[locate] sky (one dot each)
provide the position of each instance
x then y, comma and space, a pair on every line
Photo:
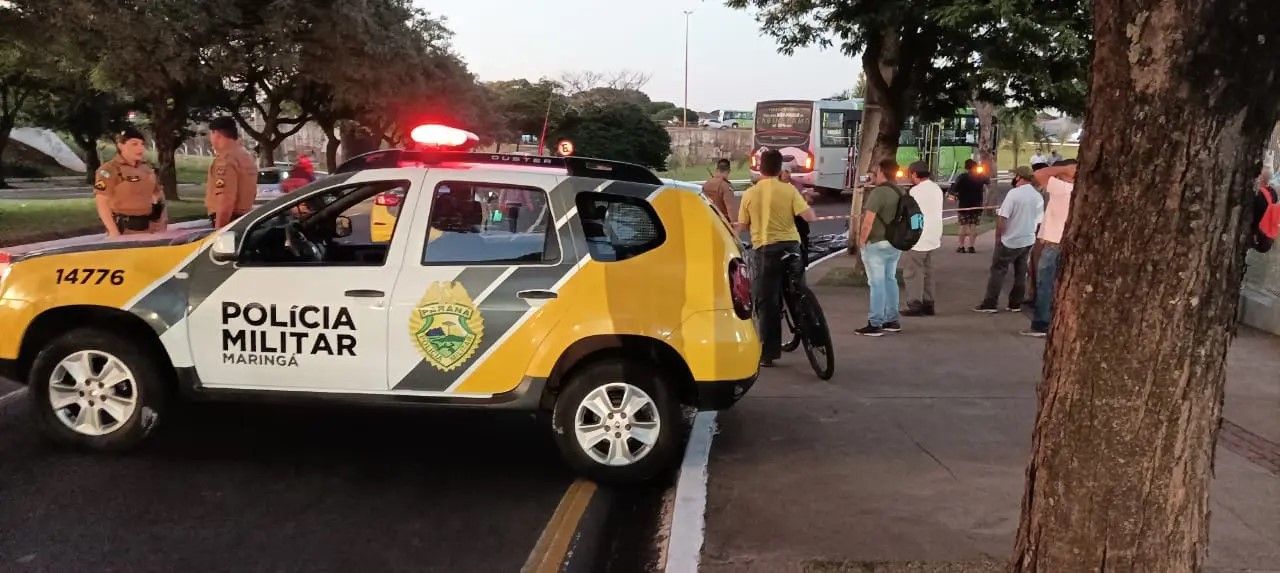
510, 39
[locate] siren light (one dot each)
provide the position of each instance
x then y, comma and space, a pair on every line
443, 136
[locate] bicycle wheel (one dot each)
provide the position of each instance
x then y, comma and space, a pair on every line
792, 340
817, 338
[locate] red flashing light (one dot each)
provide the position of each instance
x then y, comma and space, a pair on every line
443, 136
386, 199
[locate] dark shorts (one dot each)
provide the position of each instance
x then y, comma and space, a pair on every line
970, 217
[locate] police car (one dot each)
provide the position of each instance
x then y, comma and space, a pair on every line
607, 300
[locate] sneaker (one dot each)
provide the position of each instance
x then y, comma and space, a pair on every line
960, 249
1034, 333
1013, 308
972, 250
891, 327
987, 308
869, 330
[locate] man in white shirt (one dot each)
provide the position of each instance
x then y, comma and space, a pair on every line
1058, 183
1039, 158
917, 264
1021, 211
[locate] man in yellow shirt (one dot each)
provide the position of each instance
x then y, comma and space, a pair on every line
768, 211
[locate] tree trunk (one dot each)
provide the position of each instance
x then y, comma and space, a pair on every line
331, 144
1146, 302
987, 147
88, 145
6, 128
167, 123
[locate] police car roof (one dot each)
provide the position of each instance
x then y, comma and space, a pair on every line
573, 166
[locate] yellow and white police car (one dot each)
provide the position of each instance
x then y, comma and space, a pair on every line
602, 297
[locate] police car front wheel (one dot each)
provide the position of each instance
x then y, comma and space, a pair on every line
617, 422
95, 389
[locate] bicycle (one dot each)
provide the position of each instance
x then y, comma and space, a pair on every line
804, 321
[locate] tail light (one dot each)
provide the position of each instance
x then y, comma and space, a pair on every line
808, 163
755, 161
387, 200
740, 288
5, 260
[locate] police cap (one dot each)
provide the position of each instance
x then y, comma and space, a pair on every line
129, 132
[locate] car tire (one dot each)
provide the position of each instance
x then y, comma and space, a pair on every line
604, 456
82, 366
830, 192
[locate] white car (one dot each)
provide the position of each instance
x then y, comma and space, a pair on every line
271, 181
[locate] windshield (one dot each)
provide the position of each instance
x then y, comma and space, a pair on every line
784, 117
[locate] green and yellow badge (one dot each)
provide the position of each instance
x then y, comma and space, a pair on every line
446, 326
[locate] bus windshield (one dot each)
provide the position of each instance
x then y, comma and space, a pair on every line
796, 117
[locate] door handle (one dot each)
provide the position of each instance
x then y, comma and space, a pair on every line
537, 294
365, 293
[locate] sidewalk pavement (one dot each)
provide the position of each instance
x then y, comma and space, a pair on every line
912, 457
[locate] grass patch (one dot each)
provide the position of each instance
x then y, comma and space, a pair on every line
702, 172
32, 221
988, 223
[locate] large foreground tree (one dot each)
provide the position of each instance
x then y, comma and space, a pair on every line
1183, 96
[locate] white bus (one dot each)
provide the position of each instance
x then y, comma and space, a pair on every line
727, 118
814, 137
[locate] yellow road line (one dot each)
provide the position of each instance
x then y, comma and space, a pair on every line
553, 545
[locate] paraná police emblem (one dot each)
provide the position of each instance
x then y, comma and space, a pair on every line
446, 326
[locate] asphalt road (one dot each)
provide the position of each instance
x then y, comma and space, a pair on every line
272, 488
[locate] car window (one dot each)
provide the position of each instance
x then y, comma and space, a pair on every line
482, 223
331, 228
618, 228
269, 177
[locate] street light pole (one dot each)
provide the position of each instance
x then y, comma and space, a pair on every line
685, 111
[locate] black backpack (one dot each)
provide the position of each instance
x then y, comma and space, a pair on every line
904, 231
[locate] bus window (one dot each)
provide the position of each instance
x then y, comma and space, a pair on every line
835, 131
784, 118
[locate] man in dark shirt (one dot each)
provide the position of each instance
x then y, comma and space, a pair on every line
969, 190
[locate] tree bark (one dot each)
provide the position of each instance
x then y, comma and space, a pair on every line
1146, 298
168, 119
89, 147
331, 144
6, 128
987, 147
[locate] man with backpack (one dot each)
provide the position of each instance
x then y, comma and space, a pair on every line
891, 223
1266, 214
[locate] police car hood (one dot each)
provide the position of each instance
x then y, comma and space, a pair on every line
177, 234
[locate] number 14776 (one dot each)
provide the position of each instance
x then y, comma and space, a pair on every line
90, 276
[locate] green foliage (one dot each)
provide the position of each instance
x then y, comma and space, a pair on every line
946, 53
620, 131
676, 115
525, 105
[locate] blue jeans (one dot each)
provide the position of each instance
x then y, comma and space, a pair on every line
1046, 273
881, 262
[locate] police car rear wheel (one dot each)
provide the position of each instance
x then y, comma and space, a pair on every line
617, 422
96, 390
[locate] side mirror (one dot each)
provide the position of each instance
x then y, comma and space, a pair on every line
342, 226
224, 247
